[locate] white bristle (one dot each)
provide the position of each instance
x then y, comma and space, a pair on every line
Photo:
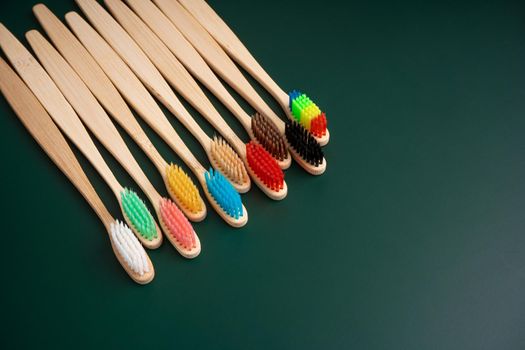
129, 247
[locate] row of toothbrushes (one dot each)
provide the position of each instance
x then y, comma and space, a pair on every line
87, 75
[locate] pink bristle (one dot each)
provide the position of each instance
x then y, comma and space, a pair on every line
178, 226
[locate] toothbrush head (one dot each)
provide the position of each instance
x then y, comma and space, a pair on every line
138, 216
185, 193
228, 162
264, 166
130, 252
267, 134
307, 113
178, 229
224, 194
303, 143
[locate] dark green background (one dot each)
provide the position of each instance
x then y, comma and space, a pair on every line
413, 239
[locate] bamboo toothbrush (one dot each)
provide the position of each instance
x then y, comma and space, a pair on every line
173, 222
220, 154
265, 133
220, 193
179, 185
133, 208
295, 104
302, 145
264, 170
126, 247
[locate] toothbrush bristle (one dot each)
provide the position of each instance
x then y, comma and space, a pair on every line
303, 143
227, 161
183, 188
264, 166
223, 193
307, 113
267, 134
129, 248
318, 125
178, 226
138, 214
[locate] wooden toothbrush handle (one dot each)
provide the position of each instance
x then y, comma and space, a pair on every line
170, 67
140, 64
222, 33
45, 132
96, 80
89, 110
215, 55
184, 51
130, 87
56, 105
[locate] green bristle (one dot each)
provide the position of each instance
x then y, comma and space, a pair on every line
296, 110
138, 214
304, 110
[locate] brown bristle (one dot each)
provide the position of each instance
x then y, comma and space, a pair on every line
227, 161
267, 134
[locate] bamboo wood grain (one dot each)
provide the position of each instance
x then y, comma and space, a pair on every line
225, 37
56, 105
233, 46
104, 90
182, 81
215, 56
93, 116
221, 63
139, 98
39, 124
59, 109
169, 66
88, 109
186, 53
147, 73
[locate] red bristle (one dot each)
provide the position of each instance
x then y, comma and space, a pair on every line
264, 166
318, 125
177, 224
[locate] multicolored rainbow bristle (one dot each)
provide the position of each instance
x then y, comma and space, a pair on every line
138, 214
129, 248
264, 166
177, 224
307, 113
303, 143
267, 134
223, 193
183, 189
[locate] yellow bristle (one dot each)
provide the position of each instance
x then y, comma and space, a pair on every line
309, 113
183, 189
227, 161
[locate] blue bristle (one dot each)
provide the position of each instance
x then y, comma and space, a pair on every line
224, 194
293, 95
